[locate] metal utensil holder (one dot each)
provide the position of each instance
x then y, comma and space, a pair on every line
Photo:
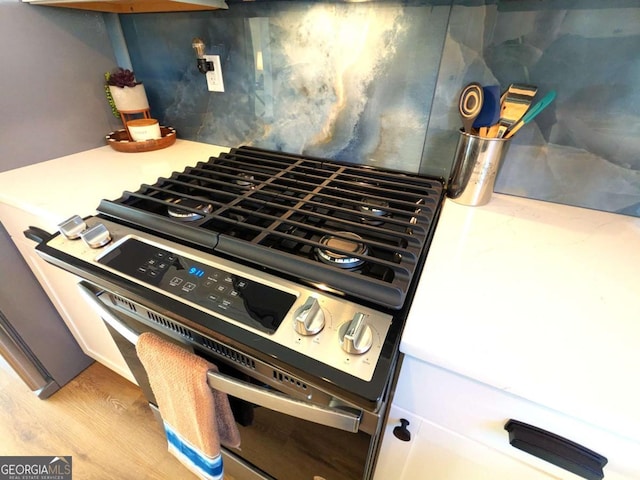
475, 168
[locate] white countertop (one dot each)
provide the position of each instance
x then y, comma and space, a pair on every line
74, 185
537, 299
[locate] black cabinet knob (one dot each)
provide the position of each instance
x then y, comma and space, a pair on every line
401, 431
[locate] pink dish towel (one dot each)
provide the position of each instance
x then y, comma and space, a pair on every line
196, 418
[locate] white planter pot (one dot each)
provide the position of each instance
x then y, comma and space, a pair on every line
129, 99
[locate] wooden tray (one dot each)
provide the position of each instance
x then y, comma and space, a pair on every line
119, 140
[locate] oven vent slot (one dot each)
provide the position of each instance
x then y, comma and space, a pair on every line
168, 324
290, 381
229, 353
123, 302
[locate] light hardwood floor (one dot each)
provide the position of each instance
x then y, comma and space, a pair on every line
99, 418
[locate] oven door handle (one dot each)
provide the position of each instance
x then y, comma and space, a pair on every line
273, 400
279, 402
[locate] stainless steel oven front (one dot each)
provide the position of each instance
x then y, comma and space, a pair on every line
291, 429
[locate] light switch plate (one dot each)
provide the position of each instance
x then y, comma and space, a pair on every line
214, 78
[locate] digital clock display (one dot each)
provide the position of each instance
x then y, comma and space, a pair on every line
196, 272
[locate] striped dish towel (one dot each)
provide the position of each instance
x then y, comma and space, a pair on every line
196, 418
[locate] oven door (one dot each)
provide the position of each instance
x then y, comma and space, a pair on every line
283, 437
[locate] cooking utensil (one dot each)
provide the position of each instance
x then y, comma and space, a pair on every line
470, 104
490, 112
515, 103
531, 114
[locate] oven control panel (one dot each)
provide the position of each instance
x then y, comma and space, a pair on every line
342, 334
246, 301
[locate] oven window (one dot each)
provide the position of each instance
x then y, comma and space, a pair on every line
289, 448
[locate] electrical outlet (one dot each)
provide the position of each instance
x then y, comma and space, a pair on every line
214, 78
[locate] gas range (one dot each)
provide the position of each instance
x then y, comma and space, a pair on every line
304, 262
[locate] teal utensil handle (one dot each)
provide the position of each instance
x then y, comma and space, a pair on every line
538, 107
531, 114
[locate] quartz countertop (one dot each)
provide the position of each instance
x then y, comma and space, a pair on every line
537, 299
74, 185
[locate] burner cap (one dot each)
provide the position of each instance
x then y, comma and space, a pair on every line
375, 207
203, 208
355, 246
245, 180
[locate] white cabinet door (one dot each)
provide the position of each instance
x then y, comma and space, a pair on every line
85, 325
435, 453
88, 328
479, 412
392, 459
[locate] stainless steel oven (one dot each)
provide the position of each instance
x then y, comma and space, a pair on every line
280, 417
291, 274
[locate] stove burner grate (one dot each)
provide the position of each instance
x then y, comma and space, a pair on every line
292, 214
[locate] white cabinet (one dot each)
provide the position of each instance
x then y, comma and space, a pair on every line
86, 326
457, 432
435, 453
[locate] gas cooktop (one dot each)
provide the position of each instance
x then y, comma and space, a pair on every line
348, 228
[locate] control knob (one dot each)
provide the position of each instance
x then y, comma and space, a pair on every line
309, 318
72, 227
356, 336
96, 236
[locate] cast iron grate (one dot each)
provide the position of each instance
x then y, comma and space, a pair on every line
273, 209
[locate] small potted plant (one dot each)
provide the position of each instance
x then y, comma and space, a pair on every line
125, 93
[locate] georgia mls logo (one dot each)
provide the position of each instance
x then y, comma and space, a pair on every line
35, 468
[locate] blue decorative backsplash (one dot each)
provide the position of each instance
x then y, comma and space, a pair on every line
378, 82
343, 81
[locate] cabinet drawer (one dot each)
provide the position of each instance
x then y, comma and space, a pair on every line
435, 453
479, 412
